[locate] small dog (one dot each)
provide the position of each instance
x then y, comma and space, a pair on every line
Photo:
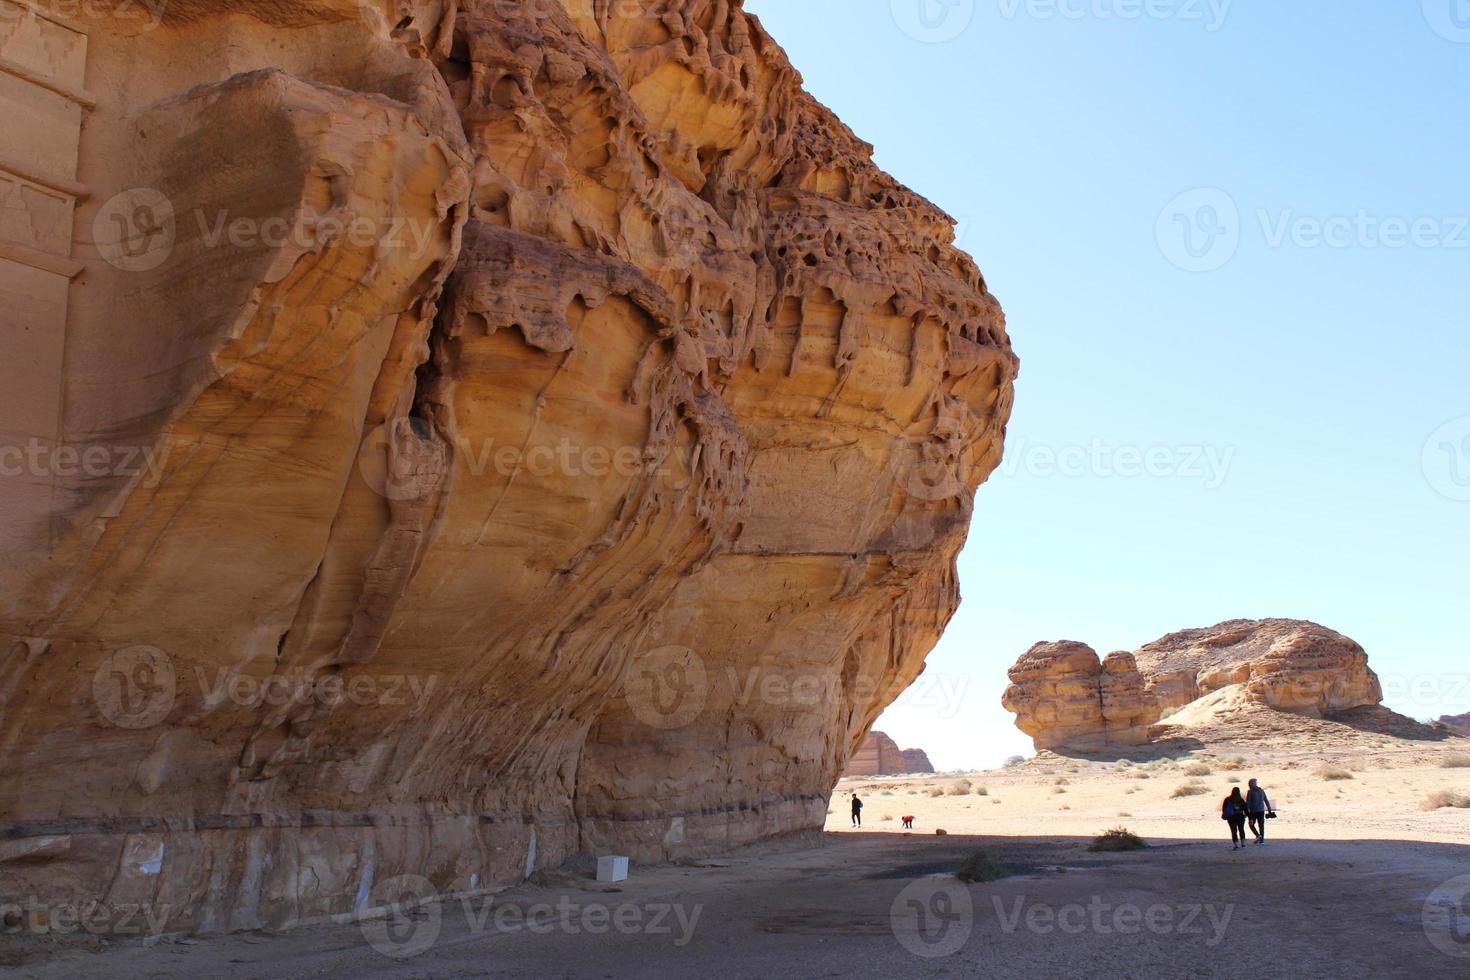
908, 823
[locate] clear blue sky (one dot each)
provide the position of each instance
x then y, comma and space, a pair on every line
1311, 333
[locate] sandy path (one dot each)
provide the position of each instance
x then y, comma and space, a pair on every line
1297, 908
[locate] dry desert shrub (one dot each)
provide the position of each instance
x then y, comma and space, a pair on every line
961, 788
1197, 769
1188, 789
1443, 798
1334, 773
1117, 839
1456, 760
981, 791
1061, 781
936, 791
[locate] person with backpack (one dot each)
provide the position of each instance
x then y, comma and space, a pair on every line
857, 811
1233, 813
1258, 808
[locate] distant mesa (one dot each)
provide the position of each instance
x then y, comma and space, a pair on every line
1065, 696
1460, 723
880, 755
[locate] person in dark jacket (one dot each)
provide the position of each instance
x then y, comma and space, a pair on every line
1257, 806
1232, 811
857, 811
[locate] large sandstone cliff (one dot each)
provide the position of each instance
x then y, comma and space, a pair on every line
520, 429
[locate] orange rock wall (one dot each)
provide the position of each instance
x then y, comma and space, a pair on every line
546, 431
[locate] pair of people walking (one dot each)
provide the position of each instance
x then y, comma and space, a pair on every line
1254, 808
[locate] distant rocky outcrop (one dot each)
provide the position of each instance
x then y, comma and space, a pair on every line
880, 755
1460, 723
1287, 664
1064, 696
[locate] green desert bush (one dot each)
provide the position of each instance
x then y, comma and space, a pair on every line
979, 866
1117, 839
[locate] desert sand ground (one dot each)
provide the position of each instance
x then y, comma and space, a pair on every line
1356, 880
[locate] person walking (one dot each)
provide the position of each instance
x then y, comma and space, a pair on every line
857, 811
1232, 811
1258, 809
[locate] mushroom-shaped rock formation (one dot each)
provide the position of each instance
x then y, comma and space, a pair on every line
1063, 695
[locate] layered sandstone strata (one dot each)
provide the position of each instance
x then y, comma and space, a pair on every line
1286, 664
880, 755
1064, 697
523, 429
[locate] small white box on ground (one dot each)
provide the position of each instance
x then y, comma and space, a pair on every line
612, 868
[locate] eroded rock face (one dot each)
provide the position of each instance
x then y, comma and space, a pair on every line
880, 755
1064, 697
550, 433
1287, 664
